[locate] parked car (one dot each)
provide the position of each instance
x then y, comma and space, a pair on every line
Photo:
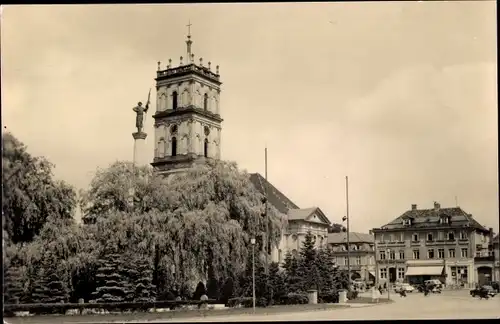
434, 285
404, 287
483, 292
495, 285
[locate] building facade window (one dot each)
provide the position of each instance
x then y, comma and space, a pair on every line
382, 255
430, 237
441, 253
451, 236
383, 273
205, 148
401, 255
414, 237
451, 253
174, 146
430, 253
345, 260
392, 255
401, 273
464, 252
382, 238
174, 100
402, 237
440, 235
205, 101
416, 254
463, 235
358, 260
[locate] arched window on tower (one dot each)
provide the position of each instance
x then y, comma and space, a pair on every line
205, 102
174, 100
205, 148
174, 146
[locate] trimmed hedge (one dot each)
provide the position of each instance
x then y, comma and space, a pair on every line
352, 294
295, 299
329, 297
10, 309
243, 301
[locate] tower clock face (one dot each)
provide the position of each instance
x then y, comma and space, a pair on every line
207, 131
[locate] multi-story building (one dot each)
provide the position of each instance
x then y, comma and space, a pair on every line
496, 257
437, 243
361, 254
300, 220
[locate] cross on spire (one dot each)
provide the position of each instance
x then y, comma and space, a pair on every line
189, 28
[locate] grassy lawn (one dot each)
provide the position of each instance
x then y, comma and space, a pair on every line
168, 315
368, 300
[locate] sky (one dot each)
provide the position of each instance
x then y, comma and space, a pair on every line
401, 97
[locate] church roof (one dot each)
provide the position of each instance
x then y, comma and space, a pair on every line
306, 213
274, 196
337, 238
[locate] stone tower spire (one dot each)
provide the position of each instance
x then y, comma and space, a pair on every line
189, 42
188, 121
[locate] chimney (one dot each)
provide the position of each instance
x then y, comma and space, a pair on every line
436, 205
414, 207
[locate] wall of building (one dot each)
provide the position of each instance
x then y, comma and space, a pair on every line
190, 91
294, 235
460, 261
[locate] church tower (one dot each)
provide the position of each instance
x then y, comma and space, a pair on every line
187, 119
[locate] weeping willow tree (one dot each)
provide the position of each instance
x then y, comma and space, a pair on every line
195, 225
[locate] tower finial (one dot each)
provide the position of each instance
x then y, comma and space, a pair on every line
188, 43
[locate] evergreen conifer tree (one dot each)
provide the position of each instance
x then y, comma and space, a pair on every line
276, 282
308, 264
13, 285
144, 290
49, 287
112, 285
292, 278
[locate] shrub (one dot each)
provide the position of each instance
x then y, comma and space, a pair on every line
261, 302
200, 291
243, 301
329, 297
352, 294
295, 299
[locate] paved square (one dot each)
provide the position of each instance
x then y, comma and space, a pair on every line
448, 305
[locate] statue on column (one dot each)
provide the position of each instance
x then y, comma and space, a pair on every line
140, 112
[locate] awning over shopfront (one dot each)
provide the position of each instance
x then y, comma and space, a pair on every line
372, 273
425, 271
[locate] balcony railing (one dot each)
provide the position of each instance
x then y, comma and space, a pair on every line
484, 257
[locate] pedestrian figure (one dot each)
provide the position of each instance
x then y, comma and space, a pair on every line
402, 293
375, 295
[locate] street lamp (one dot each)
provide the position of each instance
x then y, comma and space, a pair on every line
252, 240
346, 219
388, 275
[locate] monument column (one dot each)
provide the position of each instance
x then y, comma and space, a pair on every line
141, 157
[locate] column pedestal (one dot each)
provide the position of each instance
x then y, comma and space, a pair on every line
140, 156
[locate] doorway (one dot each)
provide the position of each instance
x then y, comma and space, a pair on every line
392, 274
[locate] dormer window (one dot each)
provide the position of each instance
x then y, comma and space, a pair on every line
354, 247
444, 220
407, 222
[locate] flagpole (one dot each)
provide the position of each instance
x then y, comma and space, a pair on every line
347, 216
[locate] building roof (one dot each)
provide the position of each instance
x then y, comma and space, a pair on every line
283, 204
306, 214
426, 218
274, 196
496, 239
336, 238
